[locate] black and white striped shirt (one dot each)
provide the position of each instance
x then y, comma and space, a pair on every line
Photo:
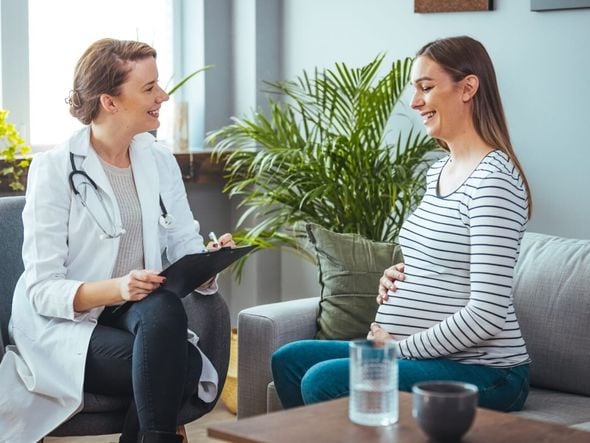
460, 251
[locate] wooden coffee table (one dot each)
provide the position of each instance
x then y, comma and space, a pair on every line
328, 422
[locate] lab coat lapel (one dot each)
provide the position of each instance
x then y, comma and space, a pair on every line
95, 170
147, 183
87, 160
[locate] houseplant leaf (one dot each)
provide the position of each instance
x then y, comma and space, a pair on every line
181, 83
324, 153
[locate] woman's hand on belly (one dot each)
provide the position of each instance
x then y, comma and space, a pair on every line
379, 334
387, 281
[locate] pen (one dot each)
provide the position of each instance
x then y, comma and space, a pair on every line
213, 237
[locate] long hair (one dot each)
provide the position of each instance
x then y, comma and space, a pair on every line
102, 69
463, 56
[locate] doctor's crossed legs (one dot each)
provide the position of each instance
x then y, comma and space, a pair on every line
144, 352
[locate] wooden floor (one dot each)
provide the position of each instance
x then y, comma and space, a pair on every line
195, 431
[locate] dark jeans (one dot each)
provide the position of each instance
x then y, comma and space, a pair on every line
312, 371
143, 352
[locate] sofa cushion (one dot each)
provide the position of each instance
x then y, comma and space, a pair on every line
556, 407
349, 270
552, 302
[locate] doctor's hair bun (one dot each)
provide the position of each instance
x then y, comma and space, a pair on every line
102, 69
73, 99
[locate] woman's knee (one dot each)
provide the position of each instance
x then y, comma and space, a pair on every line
164, 312
326, 381
286, 355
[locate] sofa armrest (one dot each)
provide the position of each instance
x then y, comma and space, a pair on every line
261, 331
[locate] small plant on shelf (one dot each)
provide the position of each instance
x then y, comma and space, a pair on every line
13, 153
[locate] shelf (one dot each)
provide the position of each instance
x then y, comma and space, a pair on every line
196, 167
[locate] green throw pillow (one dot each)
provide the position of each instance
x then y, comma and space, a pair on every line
350, 267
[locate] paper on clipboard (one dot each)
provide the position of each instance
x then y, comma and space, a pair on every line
192, 270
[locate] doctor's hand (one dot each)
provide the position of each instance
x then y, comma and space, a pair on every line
138, 284
224, 241
387, 281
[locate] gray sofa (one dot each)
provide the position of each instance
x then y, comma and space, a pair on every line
552, 299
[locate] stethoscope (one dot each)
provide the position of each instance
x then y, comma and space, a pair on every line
166, 220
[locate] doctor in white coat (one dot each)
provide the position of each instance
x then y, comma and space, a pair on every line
101, 211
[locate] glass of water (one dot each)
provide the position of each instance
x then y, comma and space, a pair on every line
373, 383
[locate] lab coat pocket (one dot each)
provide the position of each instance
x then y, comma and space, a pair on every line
19, 332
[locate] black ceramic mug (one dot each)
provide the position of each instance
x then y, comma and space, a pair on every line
444, 410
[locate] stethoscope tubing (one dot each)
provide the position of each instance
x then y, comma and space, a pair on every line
166, 220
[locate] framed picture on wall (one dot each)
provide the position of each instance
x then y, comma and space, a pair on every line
422, 6
554, 5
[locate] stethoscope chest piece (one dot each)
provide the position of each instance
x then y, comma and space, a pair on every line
166, 220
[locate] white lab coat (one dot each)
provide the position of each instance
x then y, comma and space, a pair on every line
41, 378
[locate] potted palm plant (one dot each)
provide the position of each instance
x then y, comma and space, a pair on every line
14, 152
325, 153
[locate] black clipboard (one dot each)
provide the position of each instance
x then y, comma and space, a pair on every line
192, 270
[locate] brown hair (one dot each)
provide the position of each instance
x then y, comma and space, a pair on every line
463, 56
102, 69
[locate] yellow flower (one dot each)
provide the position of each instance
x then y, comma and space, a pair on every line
13, 151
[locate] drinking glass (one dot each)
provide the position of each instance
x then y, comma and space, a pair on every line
373, 383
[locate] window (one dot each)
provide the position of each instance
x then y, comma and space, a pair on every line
58, 32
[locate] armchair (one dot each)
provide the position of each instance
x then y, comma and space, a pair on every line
208, 316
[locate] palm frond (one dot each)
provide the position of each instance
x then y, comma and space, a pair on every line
322, 154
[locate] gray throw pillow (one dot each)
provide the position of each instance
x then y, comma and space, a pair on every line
349, 267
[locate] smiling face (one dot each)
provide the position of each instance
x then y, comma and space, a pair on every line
138, 104
443, 104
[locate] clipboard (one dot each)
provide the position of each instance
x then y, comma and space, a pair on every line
192, 270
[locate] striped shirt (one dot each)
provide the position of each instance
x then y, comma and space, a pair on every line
460, 251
